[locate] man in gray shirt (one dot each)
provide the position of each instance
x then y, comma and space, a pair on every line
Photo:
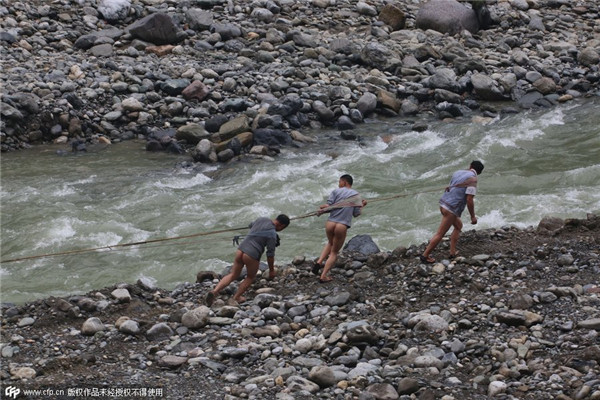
343, 204
263, 234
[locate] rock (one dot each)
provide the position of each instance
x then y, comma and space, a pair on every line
393, 16
204, 151
446, 16
160, 331
323, 376
27, 321
196, 91
234, 127
299, 384
196, 318
407, 386
271, 137
518, 317
130, 327
588, 57
592, 323
157, 28
363, 244
486, 88
114, 10
199, 20
172, 362
428, 322
91, 326
521, 301
382, 391
192, 133
24, 373
121, 295
367, 103
496, 387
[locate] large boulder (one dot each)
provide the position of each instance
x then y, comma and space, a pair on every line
363, 244
271, 137
447, 16
157, 28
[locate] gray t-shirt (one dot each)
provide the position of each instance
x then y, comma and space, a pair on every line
463, 182
262, 234
343, 215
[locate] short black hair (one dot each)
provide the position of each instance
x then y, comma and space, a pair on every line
283, 219
348, 179
477, 166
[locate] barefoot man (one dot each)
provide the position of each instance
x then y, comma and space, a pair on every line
263, 233
458, 194
342, 208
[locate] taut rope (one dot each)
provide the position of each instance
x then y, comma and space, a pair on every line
353, 201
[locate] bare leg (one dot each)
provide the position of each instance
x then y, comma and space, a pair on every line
336, 235
236, 270
455, 235
327, 247
251, 269
448, 219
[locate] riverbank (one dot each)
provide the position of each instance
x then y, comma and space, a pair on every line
516, 315
223, 78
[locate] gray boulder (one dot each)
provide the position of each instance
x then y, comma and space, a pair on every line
363, 244
447, 16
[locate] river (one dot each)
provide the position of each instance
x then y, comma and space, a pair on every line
537, 163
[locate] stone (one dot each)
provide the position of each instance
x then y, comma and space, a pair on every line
192, 133
382, 391
130, 327
172, 362
393, 16
196, 318
407, 386
496, 388
323, 376
160, 331
91, 326
446, 16
234, 127
114, 10
592, 323
196, 91
157, 28
362, 244
121, 295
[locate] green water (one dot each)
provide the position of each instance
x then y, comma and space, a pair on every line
537, 164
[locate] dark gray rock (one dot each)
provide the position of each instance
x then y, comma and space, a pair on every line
271, 137
363, 244
158, 28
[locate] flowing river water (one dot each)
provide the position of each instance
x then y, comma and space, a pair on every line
536, 164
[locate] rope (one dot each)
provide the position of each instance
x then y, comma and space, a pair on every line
345, 203
117, 246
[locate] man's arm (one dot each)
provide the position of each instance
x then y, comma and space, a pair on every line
471, 208
271, 262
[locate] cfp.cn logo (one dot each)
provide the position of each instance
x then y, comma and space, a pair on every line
12, 392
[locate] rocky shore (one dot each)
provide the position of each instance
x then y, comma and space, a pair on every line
218, 78
515, 316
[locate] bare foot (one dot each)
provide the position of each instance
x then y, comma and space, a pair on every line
325, 279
